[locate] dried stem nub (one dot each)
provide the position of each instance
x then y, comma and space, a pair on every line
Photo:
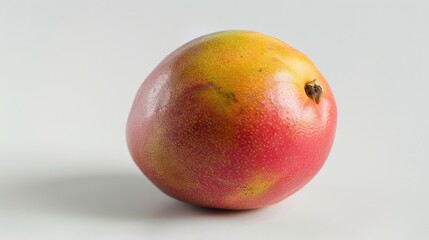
313, 91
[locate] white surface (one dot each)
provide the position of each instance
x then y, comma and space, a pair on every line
69, 72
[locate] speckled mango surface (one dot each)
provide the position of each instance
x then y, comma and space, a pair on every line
225, 122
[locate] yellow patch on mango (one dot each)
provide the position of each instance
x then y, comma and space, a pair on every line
254, 188
257, 186
159, 155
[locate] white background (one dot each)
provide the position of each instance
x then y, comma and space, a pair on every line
69, 71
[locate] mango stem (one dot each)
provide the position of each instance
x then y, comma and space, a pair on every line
313, 91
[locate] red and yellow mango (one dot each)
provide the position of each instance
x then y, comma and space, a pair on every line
232, 120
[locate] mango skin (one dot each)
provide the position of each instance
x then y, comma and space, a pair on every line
224, 122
